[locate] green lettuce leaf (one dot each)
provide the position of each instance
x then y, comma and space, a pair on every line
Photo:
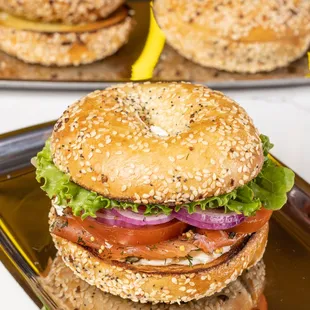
272, 184
83, 202
267, 145
269, 189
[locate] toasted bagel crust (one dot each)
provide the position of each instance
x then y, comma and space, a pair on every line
241, 57
237, 36
66, 11
108, 142
64, 48
70, 292
174, 67
145, 284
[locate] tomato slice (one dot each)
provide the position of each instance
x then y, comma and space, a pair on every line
262, 303
253, 223
134, 236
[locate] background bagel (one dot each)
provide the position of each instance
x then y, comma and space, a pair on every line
66, 11
69, 47
70, 292
237, 36
161, 284
171, 121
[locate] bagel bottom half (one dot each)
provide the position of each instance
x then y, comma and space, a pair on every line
168, 284
70, 292
243, 57
173, 66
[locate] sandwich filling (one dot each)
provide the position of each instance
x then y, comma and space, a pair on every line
15, 22
186, 234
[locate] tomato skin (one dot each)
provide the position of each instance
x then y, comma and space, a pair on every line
144, 235
262, 303
253, 223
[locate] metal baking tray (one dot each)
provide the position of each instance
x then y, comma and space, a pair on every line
27, 250
169, 65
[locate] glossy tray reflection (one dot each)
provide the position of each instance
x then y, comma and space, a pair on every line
27, 250
157, 64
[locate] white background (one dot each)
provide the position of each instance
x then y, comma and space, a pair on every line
281, 113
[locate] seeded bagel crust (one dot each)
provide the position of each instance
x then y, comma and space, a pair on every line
70, 292
162, 284
65, 48
107, 143
174, 67
240, 57
66, 11
237, 36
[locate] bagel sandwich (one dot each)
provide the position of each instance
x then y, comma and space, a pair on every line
160, 192
59, 44
236, 36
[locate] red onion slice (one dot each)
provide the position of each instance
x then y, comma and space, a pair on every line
109, 218
140, 219
214, 219
210, 219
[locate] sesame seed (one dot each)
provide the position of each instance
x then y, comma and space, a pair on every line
171, 159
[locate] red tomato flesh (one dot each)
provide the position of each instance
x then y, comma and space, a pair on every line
253, 223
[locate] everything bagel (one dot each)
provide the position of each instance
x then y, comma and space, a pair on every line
237, 36
64, 45
160, 192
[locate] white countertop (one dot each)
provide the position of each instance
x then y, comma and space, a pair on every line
281, 113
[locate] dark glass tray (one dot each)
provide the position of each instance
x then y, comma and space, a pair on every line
27, 250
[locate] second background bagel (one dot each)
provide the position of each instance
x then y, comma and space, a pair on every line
237, 36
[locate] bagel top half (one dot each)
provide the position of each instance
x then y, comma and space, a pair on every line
244, 21
155, 143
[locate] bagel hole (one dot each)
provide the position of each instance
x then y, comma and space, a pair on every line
163, 115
